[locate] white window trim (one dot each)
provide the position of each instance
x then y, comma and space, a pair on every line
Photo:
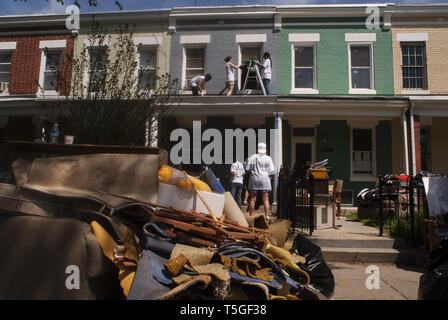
49, 44
146, 46
248, 38
9, 46
148, 41
195, 39
372, 70
360, 37
412, 37
295, 90
184, 62
241, 45
304, 37
53, 44
90, 46
357, 176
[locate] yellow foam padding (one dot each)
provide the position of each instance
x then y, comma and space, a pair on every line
108, 244
176, 177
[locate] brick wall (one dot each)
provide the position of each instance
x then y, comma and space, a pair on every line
436, 61
222, 44
26, 60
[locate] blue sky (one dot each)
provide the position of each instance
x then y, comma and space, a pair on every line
11, 7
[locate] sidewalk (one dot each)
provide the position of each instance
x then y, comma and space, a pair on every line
396, 282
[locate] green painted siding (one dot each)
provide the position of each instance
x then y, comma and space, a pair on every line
286, 139
334, 135
332, 58
384, 147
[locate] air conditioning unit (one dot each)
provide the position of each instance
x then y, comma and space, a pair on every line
4, 87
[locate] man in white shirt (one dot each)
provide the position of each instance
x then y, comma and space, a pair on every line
261, 167
197, 84
236, 181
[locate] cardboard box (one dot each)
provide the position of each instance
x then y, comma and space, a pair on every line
173, 196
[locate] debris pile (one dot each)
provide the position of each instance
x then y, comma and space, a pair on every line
206, 249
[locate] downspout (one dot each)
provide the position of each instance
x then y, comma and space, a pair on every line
405, 139
412, 134
274, 191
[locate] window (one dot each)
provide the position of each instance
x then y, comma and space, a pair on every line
52, 70
249, 53
147, 65
97, 67
5, 71
195, 64
362, 151
414, 65
304, 67
361, 66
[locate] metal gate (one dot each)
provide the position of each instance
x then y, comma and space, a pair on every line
296, 200
402, 207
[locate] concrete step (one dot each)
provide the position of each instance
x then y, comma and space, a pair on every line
379, 243
373, 255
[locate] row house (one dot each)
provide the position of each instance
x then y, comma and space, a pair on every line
419, 41
332, 84
370, 99
29, 45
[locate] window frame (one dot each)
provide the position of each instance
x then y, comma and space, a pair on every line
295, 90
185, 84
370, 90
363, 176
154, 48
43, 69
7, 51
241, 46
424, 88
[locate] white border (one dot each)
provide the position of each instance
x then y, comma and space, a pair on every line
195, 39
53, 44
411, 37
9, 45
363, 177
295, 90
360, 37
370, 90
148, 41
247, 38
304, 37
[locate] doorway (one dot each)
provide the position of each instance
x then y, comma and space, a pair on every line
303, 153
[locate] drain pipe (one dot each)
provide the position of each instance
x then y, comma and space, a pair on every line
405, 139
412, 134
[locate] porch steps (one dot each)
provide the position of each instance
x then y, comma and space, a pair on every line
355, 242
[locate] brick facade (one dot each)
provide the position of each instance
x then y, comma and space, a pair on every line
26, 60
437, 64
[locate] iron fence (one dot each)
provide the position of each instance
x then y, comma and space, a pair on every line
402, 207
296, 200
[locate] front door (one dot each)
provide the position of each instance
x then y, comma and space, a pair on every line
303, 157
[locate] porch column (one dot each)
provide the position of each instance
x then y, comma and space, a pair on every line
278, 152
405, 139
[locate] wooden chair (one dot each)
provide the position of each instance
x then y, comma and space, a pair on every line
337, 195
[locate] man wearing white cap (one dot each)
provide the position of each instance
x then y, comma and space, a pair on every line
261, 167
